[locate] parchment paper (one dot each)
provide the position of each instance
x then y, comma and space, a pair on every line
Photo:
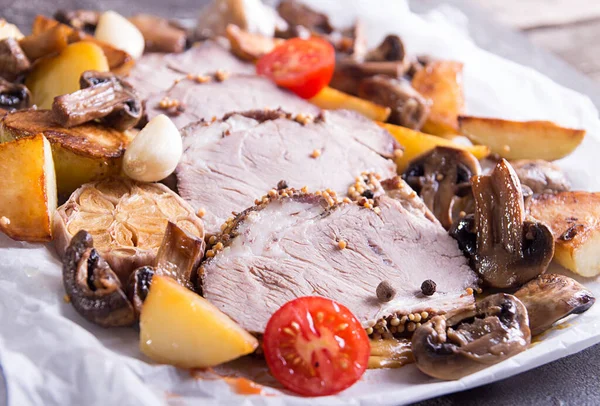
51, 356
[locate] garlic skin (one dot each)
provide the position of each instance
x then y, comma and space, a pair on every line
116, 30
154, 152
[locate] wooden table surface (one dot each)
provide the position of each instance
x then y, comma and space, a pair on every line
569, 29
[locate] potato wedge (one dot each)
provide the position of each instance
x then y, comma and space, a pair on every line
332, 99
181, 328
574, 218
58, 75
119, 61
81, 154
28, 188
441, 83
522, 139
416, 143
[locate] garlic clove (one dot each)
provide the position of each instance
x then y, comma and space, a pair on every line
154, 152
8, 30
116, 30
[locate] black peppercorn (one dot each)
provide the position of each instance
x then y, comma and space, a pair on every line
282, 184
385, 292
368, 194
428, 287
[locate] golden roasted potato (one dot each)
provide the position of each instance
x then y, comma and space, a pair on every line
441, 83
28, 189
81, 154
119, 61
181, 328
416, 143
58, 75
522, 139
574, 218
332, 99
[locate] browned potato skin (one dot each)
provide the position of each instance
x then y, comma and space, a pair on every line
522, 139
81, 154
441, 83
574, 218
28, 189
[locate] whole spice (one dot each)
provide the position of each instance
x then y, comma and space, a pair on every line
428, 287
385, 292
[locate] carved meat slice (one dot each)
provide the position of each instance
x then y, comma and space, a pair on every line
287, 247
229, 163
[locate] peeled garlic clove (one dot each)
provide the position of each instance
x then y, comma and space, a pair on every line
116, 30
154, 152
8, 30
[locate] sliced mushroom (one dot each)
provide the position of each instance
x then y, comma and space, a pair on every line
92, 286
409, 108
13, 61
13, 96
248, 46
551, 297
85, 20
159, 34
102, 95
473, 338
139, 286
504, 248
541, 176
297, 14
179, 255
440, 177
390, 49
416, 64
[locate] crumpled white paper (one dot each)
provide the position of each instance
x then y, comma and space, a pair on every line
51, 356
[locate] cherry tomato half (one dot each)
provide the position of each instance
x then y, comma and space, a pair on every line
304, 66
315, 346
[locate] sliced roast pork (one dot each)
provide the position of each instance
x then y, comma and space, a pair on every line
300, 245
155, 72
229, 163
196, 101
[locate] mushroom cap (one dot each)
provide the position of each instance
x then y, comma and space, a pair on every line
472, 338
440, 176
504, 248
551, 297
94, 289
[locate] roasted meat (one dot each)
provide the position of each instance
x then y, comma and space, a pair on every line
287, 247
228, 163
205, 97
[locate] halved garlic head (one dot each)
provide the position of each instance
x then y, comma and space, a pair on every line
154, 152
116, 30
126, 219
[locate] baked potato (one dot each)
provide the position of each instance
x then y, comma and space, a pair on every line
441, 83
28, 188
522, 139
81, 154
574, 218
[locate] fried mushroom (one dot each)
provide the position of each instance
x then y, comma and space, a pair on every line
552, 297
541, 176
159, 34
453, 346
93, 288
13, 96
409, 108
13, 61
102, 95
440, 177
139, 286
503, 247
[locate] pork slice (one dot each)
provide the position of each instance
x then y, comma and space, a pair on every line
288, 247
204, 101
227, 164
155, 72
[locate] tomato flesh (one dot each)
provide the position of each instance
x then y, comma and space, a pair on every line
304, 66
315, 346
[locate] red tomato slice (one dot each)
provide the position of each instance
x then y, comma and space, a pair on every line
304, 66
315, 346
